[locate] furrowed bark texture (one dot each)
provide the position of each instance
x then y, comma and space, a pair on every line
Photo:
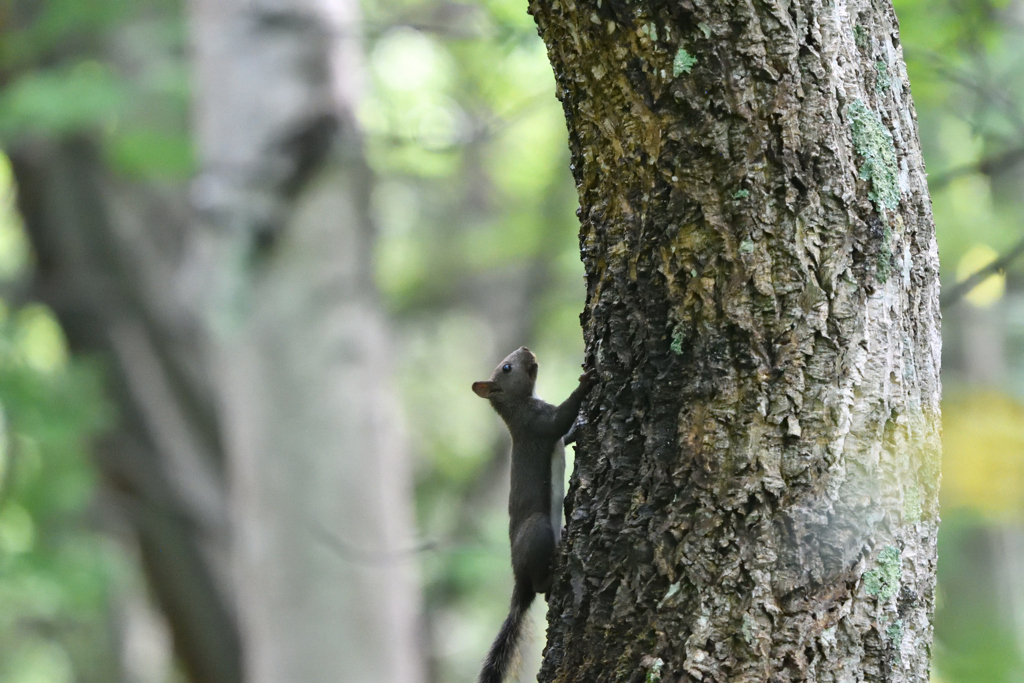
755, 496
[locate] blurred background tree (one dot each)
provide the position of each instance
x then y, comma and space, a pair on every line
965, 62
55, 568
237, 319
473, 203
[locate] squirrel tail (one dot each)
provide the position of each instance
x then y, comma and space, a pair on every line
503, 651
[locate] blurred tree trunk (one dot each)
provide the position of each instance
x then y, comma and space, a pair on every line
289, 403
320, 481
107, 253
755, 496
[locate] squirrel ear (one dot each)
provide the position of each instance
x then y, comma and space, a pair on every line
483, 389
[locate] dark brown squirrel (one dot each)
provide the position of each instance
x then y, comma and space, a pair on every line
537, 488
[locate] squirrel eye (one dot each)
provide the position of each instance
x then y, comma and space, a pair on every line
506, 368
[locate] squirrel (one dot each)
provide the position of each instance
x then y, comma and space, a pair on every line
538, 431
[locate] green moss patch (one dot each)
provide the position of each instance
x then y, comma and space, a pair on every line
677, 348
653, 666
682, 63
860, 36
895, 634
884, 580
874, 144
882, 79
912, 504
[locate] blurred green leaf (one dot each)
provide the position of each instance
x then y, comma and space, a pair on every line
152, 154
84, 96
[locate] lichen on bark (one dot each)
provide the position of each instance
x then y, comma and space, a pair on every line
762, 311
884, 580
682, 63
875, 147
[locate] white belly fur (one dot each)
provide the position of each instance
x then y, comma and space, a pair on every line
557, 488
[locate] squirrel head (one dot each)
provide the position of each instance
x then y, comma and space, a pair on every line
513, 379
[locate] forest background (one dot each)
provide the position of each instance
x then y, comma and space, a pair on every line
476, 253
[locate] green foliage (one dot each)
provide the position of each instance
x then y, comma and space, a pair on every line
61, 82
974, 630
55, 571
37, 32
152, 153
965, 63
115, 71
61, 101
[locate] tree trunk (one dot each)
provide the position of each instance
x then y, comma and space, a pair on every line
106, 251
320, 478
755, 494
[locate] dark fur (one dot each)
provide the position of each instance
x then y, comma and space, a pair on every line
503, 651
536, 428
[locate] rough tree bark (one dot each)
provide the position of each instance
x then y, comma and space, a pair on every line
755, 496
320, 482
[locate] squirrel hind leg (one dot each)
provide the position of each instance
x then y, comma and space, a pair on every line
533, 552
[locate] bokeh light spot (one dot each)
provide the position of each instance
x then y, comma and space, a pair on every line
991, 289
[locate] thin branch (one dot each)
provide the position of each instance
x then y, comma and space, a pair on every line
366, 556
990, 166
980, 84
7, 478
962, 289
